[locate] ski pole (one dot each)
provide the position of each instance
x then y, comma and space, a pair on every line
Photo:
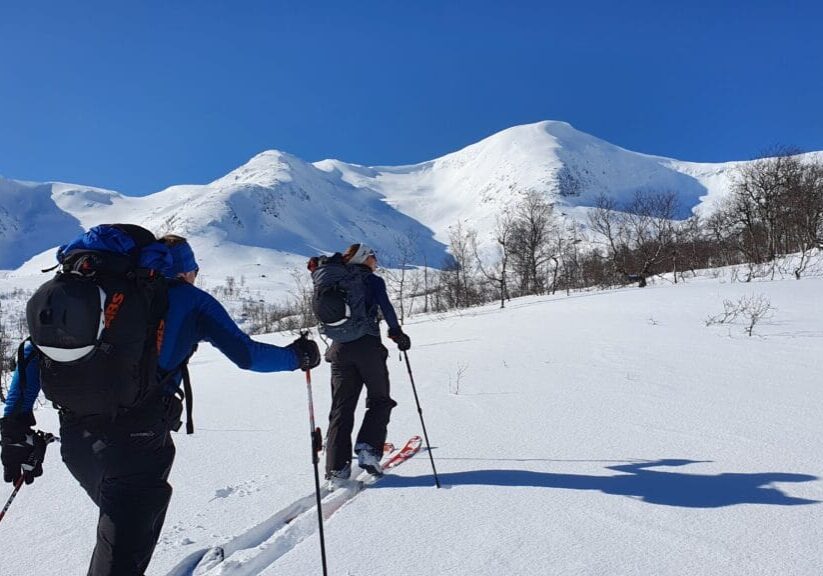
316, 447
17, 486
34, 459
422, 423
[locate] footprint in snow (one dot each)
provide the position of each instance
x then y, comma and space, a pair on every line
224, 492
244, 489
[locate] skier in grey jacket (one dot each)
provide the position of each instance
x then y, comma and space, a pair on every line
355, 364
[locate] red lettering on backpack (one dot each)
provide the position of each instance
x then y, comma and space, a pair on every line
161, 332
113, 307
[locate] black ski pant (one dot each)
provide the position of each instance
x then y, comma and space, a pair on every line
354, 364
124, 469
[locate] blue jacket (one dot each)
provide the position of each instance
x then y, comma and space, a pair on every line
376, 295
194, 316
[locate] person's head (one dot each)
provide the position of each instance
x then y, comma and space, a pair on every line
184, 265
360, 254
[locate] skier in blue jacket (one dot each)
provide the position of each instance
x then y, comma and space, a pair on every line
124, 464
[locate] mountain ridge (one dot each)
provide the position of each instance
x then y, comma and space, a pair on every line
277, 201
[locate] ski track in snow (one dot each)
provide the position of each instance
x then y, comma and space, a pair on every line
260, 546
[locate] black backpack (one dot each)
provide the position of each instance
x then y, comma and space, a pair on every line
97, 326
339, 299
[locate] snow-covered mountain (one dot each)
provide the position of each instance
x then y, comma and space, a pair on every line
278, 208
572, 168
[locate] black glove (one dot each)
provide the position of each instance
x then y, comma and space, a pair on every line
21, 448
308, 354
400, 338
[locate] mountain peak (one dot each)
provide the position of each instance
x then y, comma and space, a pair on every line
268, 169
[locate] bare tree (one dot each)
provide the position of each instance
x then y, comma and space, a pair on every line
775, 209
406, 252
606, 221
414, 284
726, 229
640, 235
804, 207
649, 219
690, 249
530, 242
497, 273
570, 254
456, 278
756, 204
425, 283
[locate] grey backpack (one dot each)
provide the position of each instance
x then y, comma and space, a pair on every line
339, 299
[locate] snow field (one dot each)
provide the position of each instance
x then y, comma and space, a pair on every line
599, 433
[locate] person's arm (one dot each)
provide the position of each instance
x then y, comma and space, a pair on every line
216, 326
378, 287
18, 400
21, 447
382, 298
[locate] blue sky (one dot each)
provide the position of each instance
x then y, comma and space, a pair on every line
138, 96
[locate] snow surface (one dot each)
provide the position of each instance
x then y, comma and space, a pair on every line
598, 433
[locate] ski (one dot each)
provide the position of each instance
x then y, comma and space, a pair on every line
390, 460
202, 561
411, 448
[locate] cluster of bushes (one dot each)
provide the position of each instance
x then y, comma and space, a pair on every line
771, 222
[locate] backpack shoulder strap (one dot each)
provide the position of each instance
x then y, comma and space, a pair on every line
188, 397
183, 396
187, 392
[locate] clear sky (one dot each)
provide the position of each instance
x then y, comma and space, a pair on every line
136, 96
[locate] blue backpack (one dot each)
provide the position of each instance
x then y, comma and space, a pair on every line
339, 299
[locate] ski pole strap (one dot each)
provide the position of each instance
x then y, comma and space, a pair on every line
189, 398
47, 438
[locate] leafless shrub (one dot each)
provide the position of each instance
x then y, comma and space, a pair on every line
751, 309
301, 297
454, 384
731, 311
754, 309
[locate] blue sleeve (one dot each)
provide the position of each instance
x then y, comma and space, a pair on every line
216, 326
378, 287
29, 395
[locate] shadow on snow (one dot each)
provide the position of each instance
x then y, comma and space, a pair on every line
637, 480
